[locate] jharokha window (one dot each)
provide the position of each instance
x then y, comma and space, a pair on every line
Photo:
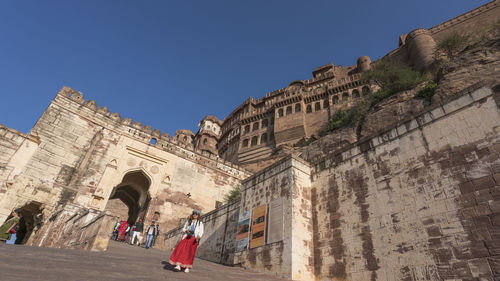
298, 107
309, 109
254, 141
280, 112
255, 126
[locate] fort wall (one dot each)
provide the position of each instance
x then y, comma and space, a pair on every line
82, 154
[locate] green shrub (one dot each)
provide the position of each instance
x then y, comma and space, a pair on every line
339, 119
391, 77
233, 195
427, 92
452, 45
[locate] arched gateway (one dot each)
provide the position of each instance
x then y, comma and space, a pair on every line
130, 199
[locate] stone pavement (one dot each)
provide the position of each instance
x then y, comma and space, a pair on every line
120, 262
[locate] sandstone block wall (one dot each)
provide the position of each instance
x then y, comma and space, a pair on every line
417, 203
82, 152
287, 180
218, 241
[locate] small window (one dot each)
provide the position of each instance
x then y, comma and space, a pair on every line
365, 90
208, 126
335, 99
288, 110
326, 104
263, 139
255, 126
309, 109
185, 138
205, 141
264, 123
298, 107
247, 129
355, 94
345, 98
254, 141
317, 106
245, 143
152, 141
280, 112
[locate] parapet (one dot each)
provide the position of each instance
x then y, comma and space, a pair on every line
89, 109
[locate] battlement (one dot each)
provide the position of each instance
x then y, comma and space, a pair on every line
74, 101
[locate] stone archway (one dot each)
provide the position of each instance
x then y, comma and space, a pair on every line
31, 220
129, 199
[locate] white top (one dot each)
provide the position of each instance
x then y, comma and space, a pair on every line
198, 228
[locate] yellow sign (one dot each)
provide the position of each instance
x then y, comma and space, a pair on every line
258, 235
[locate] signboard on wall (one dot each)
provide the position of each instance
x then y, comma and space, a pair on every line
258, 235
242, 231
275, 221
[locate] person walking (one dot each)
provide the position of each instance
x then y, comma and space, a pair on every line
184, 253
138, 229
122, 230
5, 229
157, 232
150, 232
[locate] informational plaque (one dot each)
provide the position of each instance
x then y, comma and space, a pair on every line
242, 231
275, 224
258, 235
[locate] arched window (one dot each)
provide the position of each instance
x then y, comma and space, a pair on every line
365, 90
288, 110
255, 126
263, 139
309, 109
204, 141
245, 143
326, 104
298, 108
317, 106
247, 129
254, 141
264, 123
355, 94
335, 99
280, 112
345, 98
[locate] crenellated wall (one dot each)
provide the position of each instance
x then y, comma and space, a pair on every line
81, 155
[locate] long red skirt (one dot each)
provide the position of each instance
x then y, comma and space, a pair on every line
184, 252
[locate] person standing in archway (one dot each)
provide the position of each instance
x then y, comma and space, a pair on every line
184, 253
5, 229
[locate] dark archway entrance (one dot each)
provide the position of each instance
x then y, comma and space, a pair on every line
130, 199
31, 219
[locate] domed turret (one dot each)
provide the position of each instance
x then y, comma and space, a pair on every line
364, 63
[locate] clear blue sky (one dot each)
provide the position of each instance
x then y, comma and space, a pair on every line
168, 64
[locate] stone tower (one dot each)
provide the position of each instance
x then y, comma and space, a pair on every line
364, 63
207, 137
420, 44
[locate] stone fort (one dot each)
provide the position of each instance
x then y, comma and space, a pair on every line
413, 195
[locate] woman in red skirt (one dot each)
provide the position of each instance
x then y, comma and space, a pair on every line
184, 252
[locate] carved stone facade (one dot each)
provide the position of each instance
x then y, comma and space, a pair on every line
413, 199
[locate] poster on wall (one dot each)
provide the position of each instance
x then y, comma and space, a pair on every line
242, 231
275, 224
258, 235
